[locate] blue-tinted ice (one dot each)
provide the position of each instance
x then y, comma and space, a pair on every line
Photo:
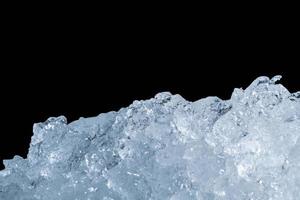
245, 148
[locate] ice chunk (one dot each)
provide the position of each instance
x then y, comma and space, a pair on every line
247, 147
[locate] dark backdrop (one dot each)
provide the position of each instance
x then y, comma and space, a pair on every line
84, 70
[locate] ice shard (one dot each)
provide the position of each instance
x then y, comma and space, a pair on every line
245, 148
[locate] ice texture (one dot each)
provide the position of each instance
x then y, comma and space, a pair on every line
245, 148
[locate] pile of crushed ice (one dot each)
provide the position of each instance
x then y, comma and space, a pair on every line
245, 148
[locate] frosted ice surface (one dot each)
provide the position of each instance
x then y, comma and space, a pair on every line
245, 148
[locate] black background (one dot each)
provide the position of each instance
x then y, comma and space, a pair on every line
82, 68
